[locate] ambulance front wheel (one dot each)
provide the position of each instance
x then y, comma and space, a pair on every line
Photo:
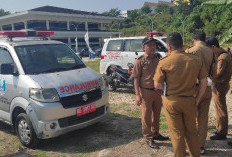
25, 131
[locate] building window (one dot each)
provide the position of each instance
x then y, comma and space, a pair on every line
36, 25
19, 26
6, 27
80, 26
58, 25
93, 27
80, 41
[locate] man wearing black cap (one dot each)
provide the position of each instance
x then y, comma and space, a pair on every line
147, 97
221, 78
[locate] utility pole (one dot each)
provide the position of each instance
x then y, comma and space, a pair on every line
183, 21
76, 36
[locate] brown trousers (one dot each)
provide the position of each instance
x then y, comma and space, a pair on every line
150, 113
203, 115
181, 113
219, 93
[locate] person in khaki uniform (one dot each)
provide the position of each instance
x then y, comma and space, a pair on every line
206, 54
180, 71
147, 98
221, 79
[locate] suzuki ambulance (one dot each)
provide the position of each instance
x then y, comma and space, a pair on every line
45, 88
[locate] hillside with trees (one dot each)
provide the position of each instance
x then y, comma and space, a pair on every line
212, 16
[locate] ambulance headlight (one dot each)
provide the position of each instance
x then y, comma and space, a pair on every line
44, 95
102, 83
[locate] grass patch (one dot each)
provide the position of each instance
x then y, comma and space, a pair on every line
113, 109
41, 154
95, 64
163, 122
162, 118
164, 126
114, 115
16, 142
136, 114
123, 104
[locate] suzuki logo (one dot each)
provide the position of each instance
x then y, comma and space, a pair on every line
85, 97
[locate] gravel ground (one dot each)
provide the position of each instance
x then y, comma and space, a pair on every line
137, 147
118, 136
213, 148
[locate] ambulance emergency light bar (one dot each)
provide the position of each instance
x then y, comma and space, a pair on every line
26, 33
155, 33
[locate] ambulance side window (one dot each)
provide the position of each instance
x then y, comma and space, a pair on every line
5, 57
136, 45
127, 45
160, 47
133, 45
115, 45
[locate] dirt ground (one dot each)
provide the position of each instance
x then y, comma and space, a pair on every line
118, 136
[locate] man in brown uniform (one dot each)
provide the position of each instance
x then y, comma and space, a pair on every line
206, 54
180, 71
221, 79
147, 98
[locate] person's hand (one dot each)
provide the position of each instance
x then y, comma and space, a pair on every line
138, 100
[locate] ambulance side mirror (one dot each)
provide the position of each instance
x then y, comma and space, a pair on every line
7, 69
136, 53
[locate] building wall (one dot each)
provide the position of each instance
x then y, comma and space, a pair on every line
62, 25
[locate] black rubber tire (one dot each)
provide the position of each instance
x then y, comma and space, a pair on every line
23, 120
111, 83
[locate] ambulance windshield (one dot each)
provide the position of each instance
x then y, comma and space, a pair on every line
47, 58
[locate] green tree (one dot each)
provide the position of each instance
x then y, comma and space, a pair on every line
145, 10
183, 9
114, 12
134, 14
162, 8
222, 2
3, 12
227, 35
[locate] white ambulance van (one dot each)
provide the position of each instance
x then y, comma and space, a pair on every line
121, 51
45, 88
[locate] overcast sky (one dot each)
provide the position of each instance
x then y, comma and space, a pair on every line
83, 5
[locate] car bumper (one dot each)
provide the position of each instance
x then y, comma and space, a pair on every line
51, 119
49, 129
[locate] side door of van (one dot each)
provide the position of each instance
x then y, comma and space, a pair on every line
8, 85
133, 49
113, 52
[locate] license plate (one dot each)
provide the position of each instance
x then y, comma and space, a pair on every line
85, 109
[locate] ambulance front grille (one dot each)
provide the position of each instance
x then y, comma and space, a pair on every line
81, 99
73, 120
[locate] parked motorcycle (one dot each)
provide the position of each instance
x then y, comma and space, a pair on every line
120, 78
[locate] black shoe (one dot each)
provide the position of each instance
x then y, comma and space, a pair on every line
218, 137
152, 144
202, 150
160, 138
